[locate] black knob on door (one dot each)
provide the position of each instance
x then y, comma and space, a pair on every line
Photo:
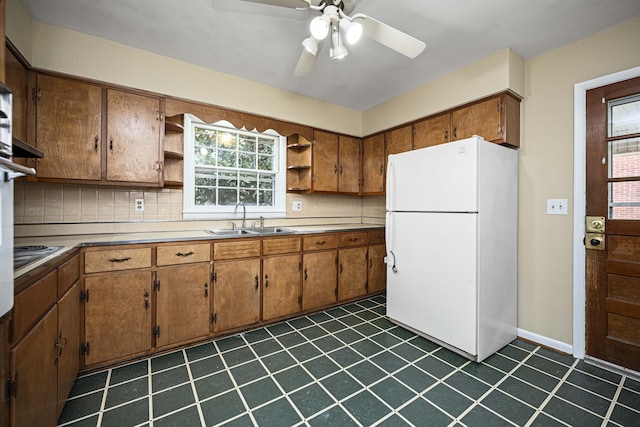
595, 242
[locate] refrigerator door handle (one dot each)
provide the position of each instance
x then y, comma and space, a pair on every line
393, 266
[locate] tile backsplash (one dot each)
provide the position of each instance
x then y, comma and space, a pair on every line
46, 203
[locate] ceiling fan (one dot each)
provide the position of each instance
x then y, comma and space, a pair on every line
336, 24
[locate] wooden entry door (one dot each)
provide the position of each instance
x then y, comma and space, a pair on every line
613, 192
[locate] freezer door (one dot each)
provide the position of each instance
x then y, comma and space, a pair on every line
431, 276
442, 178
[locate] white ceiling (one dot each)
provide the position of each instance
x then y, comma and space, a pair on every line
263, 42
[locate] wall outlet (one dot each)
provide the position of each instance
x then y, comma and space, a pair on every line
297, 206
557, 206
138, 205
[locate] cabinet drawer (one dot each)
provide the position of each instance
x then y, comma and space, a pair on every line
68, 274
375, 236
320, 241
183, 254
237, 249
33, 302
355, 238
276, 246
117, 259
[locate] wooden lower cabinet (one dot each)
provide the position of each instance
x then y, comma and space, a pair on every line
352, 273
117, 316
68, 357
319, 279
236, 300
44, 364
182, 303
33, 369
280, 286
377, 274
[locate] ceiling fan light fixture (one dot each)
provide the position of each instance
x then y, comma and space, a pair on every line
352, 30
338, 51
319, 27
311, 45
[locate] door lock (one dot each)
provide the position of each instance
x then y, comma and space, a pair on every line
594, 224
594, 241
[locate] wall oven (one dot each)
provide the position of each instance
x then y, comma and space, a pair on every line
8, 172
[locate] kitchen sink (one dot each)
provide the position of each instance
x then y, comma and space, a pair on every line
251, 231
270, 230
228, 232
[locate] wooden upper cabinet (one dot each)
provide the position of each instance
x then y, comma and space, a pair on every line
17, 79
349, 165
133, 137
373, 162
496, 119
397, 141
325, 162
68, 128
431, 131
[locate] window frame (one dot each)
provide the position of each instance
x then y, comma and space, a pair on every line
193, 211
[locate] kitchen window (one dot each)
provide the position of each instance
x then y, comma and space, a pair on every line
225, 166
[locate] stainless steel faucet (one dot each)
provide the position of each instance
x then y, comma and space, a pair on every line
244, 213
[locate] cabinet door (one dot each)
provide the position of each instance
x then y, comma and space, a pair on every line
33, 368
236, 294
397, 141
319, 279
377, 274
68, 128
117, 316
182, 310
349, 169
69, 342
281, 286
432, 131
133, 137
352, 273
373, 164
482, 119
325, 162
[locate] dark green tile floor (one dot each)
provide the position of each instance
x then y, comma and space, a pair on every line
350, 366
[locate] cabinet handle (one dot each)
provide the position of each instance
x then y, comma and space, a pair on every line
320, 242
340, 268
381, 169
455, 132
266, 280
340, 170
95, 143
305, 274
335, 168
146, 300
257, 280
370, 262
185, 254
446, 135
125, 259
111, 144
353, 239
206, 290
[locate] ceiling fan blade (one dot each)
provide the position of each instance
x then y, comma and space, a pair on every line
391, 37
305, 64
292, 4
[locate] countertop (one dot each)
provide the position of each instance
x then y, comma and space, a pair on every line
81, 240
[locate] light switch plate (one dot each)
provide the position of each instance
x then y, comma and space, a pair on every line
557, 206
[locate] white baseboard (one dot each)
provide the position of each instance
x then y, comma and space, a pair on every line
548, 342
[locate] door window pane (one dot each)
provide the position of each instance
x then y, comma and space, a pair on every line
624, 116
624, 200
624, 158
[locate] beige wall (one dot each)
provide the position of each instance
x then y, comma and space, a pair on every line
546, 171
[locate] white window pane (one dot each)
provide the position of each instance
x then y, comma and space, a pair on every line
624, 116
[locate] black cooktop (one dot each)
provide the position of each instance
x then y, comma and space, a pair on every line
25, 255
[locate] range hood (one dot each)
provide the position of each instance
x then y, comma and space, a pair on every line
23, 150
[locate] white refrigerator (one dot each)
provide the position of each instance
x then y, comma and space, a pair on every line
451, 233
